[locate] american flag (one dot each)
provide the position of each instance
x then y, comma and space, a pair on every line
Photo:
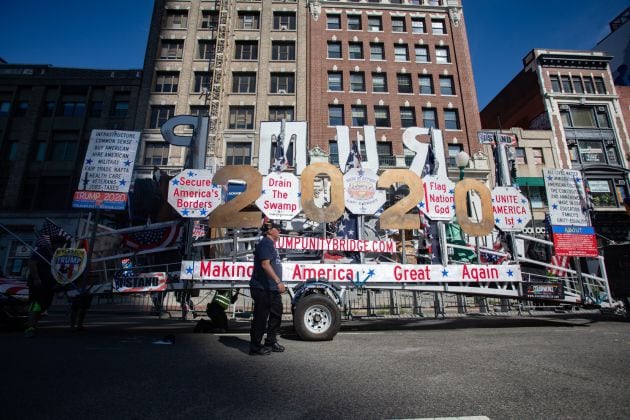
561, 261
151, 238
50, 230
279, 158
348, 225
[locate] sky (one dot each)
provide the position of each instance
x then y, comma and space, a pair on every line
112, 34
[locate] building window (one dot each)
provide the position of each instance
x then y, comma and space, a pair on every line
447, 87
279, 113
589, 87
49, 109
200, 110
238, 153
166, 81
171, 49
283, 51
602, 193
96, 109
537, 196
379, 82
5, 107
243, 82
442, 55
417, 25
600, 85
333, 21
578, 85
407, 116
438, 27
282, 83
521, 159
453, 150
11, 150
555, 84
159, 115
377, 51
202, 80
584, 116
404, 83
422, 54
207, 50
72, 108
385, 155
284, 21
248, 20
567, 87
209, 19
176, 19
156, 154
451, 119
64, 146
359, 115
375, 24
354, 23
401, 53
120, 108
426, 84
429, 118
334, 49
355, 50
335, 115
357, 81
246, 50
537, 155
335, 81
398, 24
381, 116
21, 109
333, 152
241, 117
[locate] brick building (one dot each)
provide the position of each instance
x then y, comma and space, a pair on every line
572, 94
391, 65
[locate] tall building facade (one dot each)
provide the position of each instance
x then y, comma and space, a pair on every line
263, 74
572, 94
392, 65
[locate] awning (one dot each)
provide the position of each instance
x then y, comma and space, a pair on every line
531, 181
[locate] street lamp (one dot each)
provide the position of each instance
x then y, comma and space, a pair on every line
461, 160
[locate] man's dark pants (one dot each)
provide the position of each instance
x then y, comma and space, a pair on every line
267, 316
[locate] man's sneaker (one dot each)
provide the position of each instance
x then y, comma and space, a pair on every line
29, 332
275, 347
263, 351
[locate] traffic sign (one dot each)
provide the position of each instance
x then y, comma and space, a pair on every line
485, 137
280, 198
193, 194
511, 209
439, 198
361, 194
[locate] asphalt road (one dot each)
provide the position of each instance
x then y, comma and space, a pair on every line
572, 367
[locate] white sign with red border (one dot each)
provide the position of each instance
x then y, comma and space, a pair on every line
335, 244
281, 197
357, 274
511, 209
360, 192
439, 198
193, 194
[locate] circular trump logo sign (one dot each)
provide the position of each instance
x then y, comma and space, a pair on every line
361, 195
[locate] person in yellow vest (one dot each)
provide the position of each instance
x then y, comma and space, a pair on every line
216, 309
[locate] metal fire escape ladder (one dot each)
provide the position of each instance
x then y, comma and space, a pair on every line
215, 94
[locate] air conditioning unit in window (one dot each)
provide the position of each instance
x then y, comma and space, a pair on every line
564, 107
282, 91
283, 27
601, 108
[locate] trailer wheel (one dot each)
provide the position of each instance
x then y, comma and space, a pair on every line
316, 318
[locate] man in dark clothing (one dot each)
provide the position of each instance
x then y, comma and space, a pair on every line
41, 283
266, 287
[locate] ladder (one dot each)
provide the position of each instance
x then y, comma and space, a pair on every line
215, 94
